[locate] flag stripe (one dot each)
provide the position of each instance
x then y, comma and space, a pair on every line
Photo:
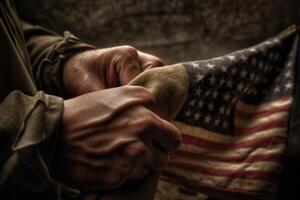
244, 107
237, 153
250, 174
235, 185
230, 159
240, 122
247, 115
261, 142
263, 166
268, 125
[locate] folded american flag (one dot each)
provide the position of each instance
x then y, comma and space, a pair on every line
235, 120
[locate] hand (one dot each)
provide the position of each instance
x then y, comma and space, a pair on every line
105, 68
110, 136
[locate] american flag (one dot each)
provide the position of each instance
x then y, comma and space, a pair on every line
234, 121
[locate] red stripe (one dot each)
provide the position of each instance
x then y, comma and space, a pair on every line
260, 142
200, 186
242, 174
257, 115
273, 157
261, 127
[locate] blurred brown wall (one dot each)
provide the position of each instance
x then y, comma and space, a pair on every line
176, 30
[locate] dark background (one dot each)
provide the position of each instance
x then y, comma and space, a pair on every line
176, 30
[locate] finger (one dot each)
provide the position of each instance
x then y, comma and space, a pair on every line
163, 134
129, 65
149, 61
139, 173
157, 158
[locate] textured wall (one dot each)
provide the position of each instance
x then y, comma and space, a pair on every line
176, 30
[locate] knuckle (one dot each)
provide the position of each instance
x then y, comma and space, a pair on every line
114, 181
128, 50
156, 62
137, 150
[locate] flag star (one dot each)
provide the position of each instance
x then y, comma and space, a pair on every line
225, 124
207, 93
243, 58
207, 119
188, 113
252, 76
243, 73
210, 66
229, 83
222, 81
240, 87
223, 68
200, 103
199, 77
288, 86
214, 94
192, 103
217, 122
196, 116
253, 61
198, 92
276, 89
222, 110
232, 58
288, 74
289, 64
268, 42
212, 80
260, 65
252, 49
226, 96
233, 71
195, 65
210, 106
276, 41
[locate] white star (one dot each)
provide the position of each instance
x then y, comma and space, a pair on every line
229, 83
187, 113
240, 87
207, 119
198, 92
289, 64
212, 80
243, 58
207, 93
226, 97
195, 65
233, 71
252, 49
192, 103
225, 124
200, 103
199, 77
196, 116
223, 68
222, 81
210, 66
222, 110
243, 73
253, 61
276, 41
276, 89
260, 65
288, 86
232, 58
217, 122
214, 94
288, 74
210, 106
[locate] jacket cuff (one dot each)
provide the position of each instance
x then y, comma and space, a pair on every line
53, 64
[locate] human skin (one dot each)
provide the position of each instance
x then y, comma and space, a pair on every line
111, 135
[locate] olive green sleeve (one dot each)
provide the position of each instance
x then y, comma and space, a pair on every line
29, 130
48, 51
